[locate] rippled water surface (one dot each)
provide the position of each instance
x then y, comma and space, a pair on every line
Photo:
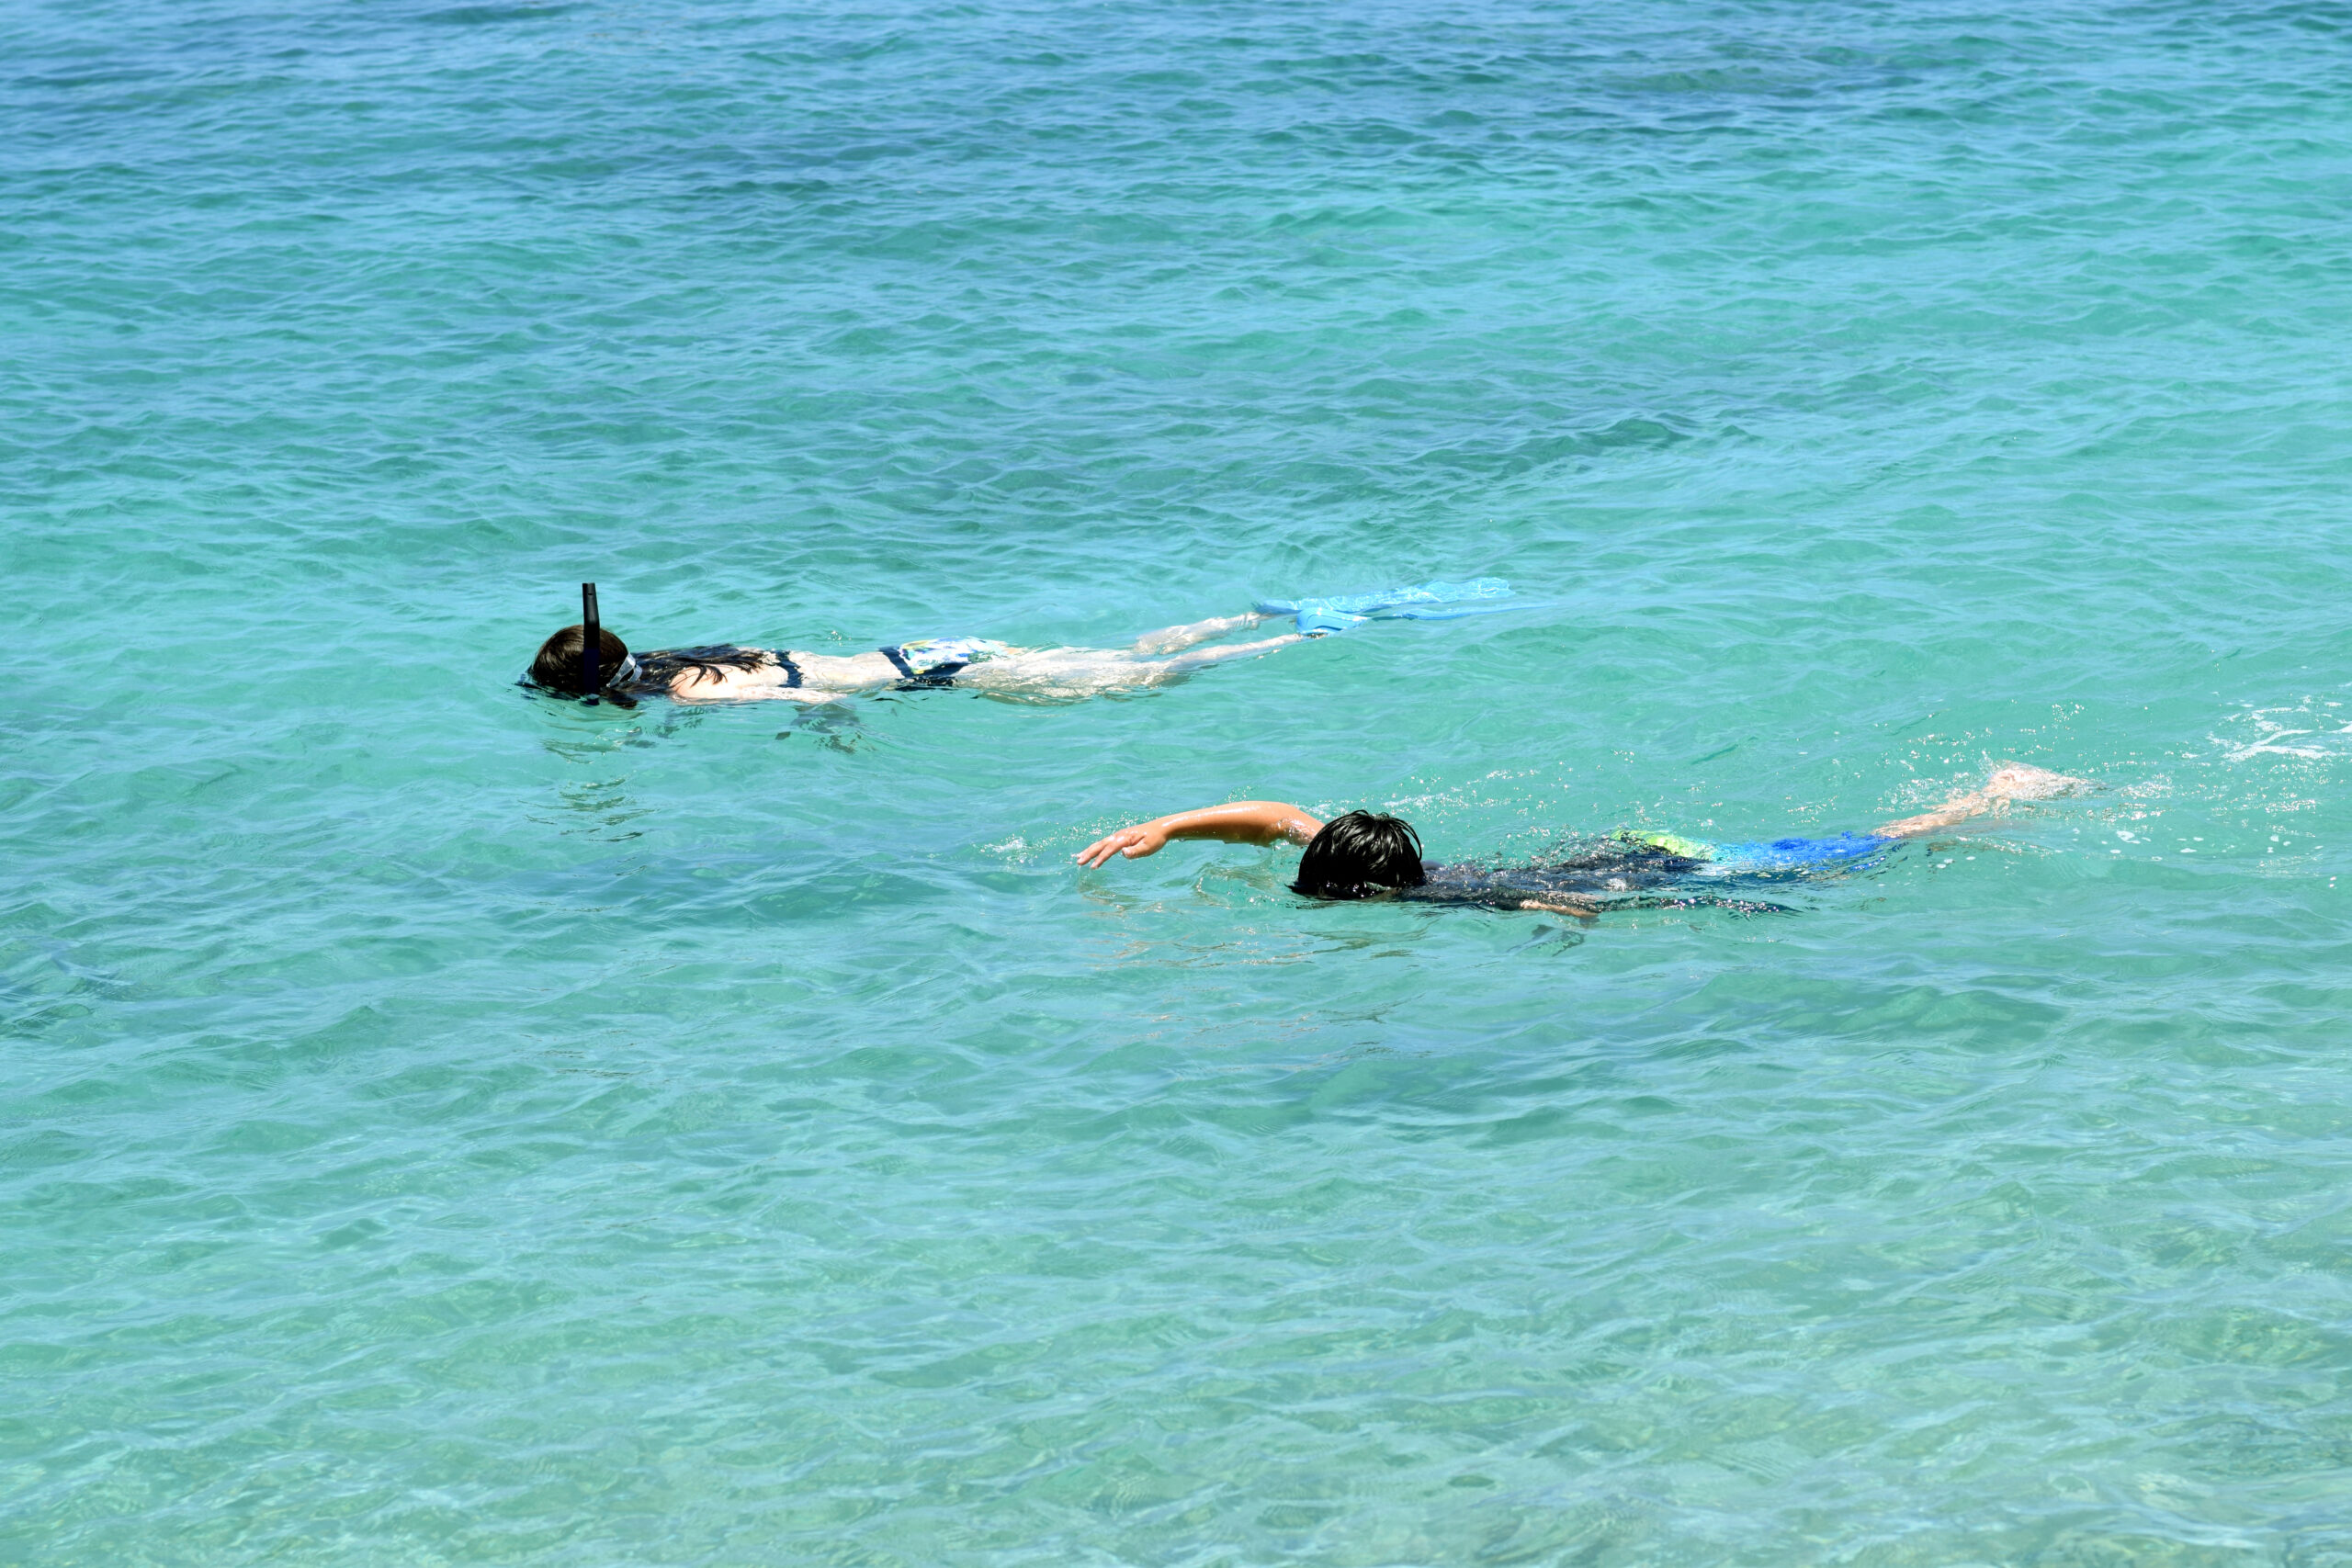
440, 1126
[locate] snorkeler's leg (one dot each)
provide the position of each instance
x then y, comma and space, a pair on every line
1202, 660
1177, 638
2011, 781
1054, 674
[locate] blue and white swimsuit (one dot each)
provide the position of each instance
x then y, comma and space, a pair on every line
933, 661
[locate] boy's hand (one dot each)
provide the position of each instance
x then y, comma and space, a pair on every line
1583, 909
1133, 842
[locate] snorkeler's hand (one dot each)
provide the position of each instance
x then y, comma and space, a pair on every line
1132, 842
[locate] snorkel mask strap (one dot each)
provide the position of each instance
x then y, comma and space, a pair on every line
591, 636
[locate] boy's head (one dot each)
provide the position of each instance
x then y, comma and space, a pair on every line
1359, 855
558, 664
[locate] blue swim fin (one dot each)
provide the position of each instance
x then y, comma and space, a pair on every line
1421, 601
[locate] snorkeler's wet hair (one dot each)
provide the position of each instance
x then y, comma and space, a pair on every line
1359, 855
557, 667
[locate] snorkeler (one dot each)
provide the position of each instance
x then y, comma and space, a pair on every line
590, 663
587, 660
1360, 854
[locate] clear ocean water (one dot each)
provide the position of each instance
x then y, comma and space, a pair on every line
442, 1127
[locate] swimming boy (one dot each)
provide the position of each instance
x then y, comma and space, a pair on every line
1360, 854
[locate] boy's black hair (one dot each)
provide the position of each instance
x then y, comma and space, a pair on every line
1361, 855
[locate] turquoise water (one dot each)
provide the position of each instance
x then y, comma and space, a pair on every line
441, 1127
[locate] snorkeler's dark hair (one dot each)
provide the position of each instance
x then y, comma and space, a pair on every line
1359, 855
558, 664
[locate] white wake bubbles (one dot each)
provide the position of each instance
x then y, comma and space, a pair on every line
2310, 730
2280, 758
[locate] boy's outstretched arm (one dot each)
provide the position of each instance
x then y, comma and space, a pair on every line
1237, 822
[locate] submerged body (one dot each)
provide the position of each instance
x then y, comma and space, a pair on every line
1359, 855
732, 672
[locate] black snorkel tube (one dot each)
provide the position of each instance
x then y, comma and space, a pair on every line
591, 632
592, 687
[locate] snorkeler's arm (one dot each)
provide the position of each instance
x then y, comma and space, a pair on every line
729, 691
723, 684
1237, 822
